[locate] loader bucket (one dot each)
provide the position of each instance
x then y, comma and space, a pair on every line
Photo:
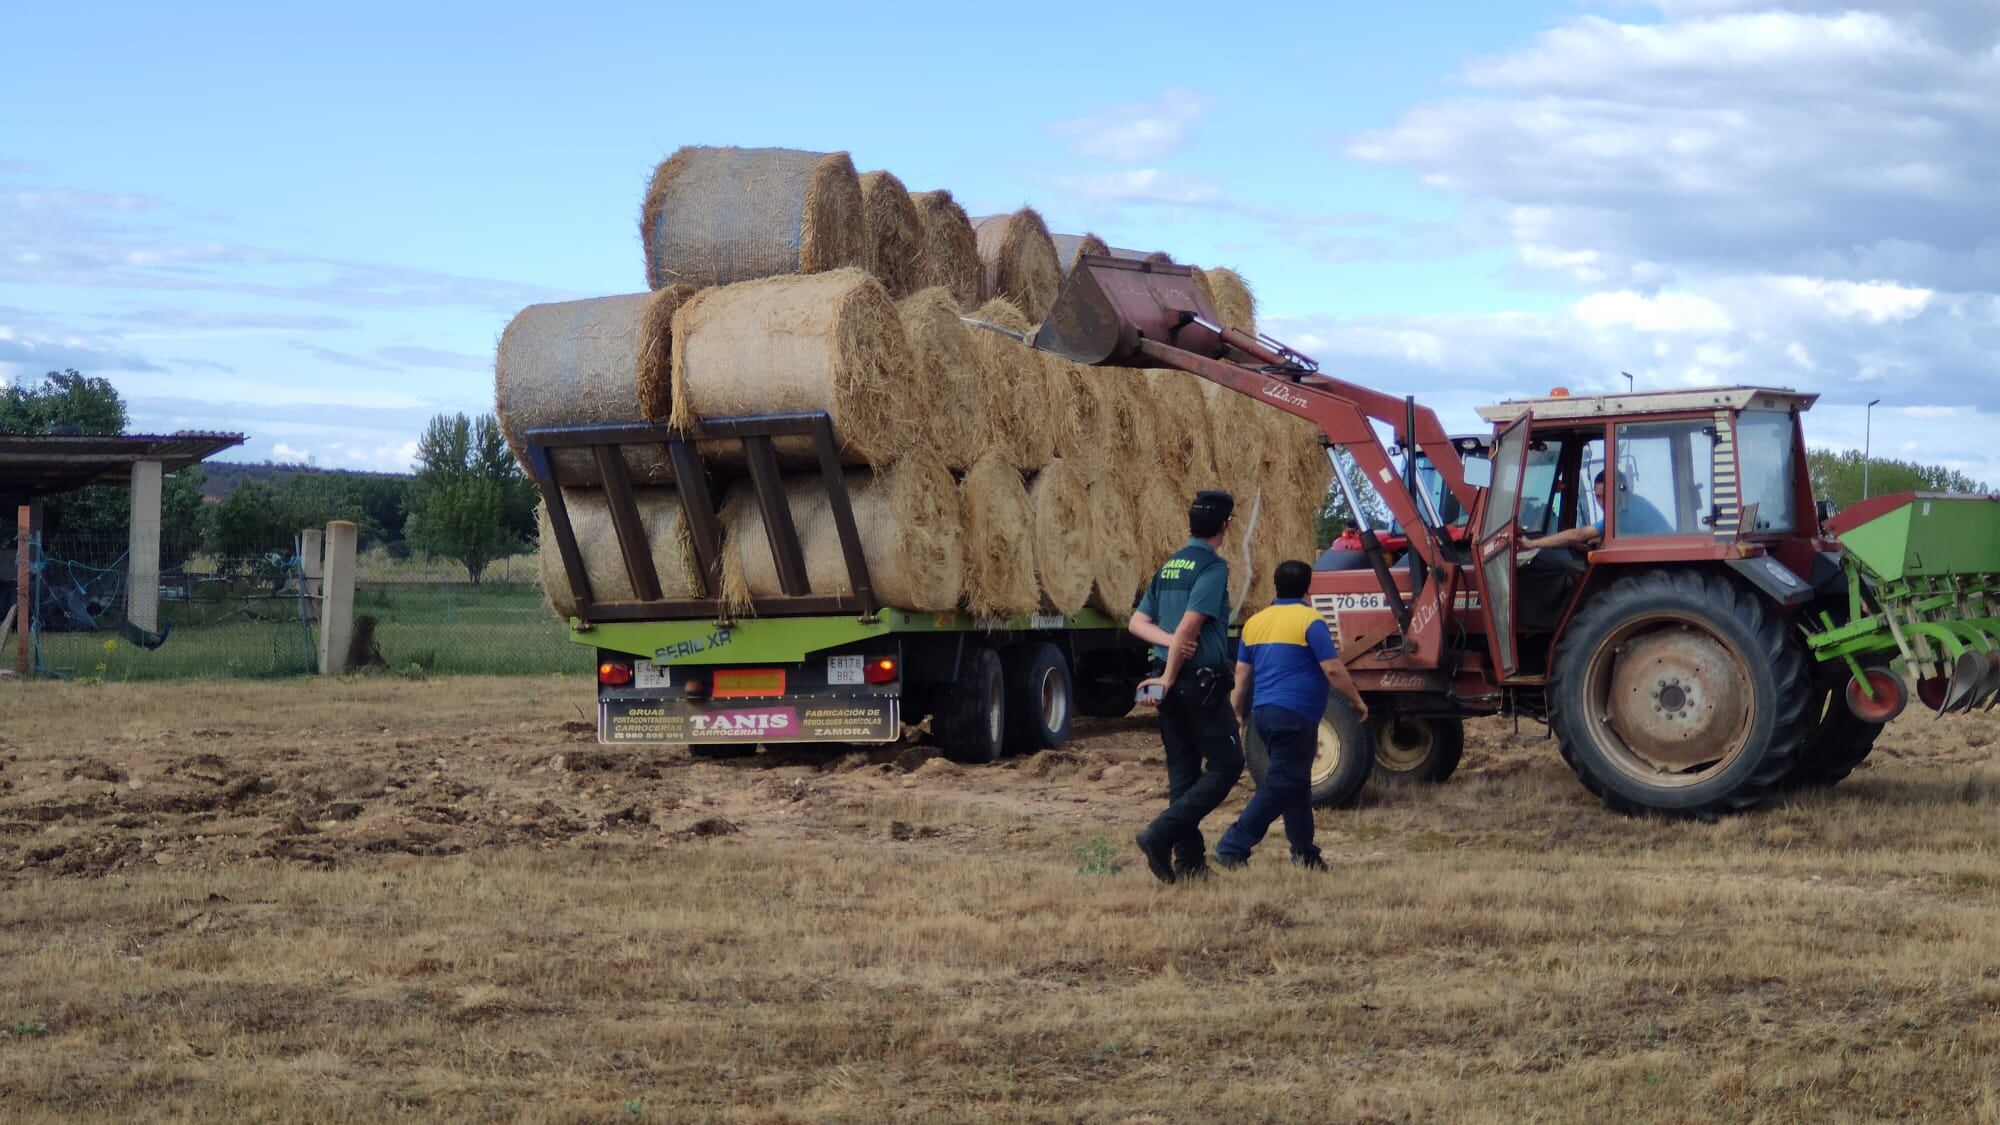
1108, 304
1924, 585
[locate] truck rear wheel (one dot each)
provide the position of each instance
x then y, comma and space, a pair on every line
1039, 699
1678, 691
1416, 748
1341, 767
971, 716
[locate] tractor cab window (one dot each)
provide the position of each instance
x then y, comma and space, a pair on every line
1538, 486
1663, 483
1764, 450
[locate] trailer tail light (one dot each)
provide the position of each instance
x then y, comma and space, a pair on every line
881, 670
614, 673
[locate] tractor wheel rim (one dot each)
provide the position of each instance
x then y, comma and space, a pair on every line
1403, 743
1669, 701
1326, 753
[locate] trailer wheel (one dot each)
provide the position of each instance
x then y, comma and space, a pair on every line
971, 715
1679, 692
1039, 699
1416, 748
1102, 688
1341, 767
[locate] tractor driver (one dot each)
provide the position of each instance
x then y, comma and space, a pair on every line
1636, 516
1550, 562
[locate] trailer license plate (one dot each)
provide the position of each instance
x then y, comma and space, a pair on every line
646, 674
843, 669
744, 683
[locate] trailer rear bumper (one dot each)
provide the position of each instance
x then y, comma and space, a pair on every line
801, 718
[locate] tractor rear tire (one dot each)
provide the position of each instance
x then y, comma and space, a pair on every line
1679, 692
1837, 743
971, 717
1341, 768
1416, 748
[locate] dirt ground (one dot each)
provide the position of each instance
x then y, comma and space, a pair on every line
300, 900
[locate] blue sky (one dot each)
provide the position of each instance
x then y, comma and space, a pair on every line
312, 226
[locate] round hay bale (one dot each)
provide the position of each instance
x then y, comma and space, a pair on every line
950, 255
716, 216
948, 358
825, 341
895, 233
1251, 507
1135, 426
1232, 299
579, 362
1117, 565
1019, 262
1070, 247
1162, 518
1015, 382
999, 541
1236, 438
1063, 534
1087, 442
603, 561
1158, 258
1183, 433
911, 536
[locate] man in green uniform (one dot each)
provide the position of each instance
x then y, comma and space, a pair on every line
1184, 615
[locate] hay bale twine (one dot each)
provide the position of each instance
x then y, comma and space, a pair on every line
911, 536
1063, 534
1019, 262
1117, 565
950, 256
1183, 429
1087, 442
603, 561
1015, 382
948, 358
825, 341
999, 541
578, 362
716, 216
1070, 247
895, 233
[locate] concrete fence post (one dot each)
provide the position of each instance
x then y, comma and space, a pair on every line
336, 619
312, 564
142, 582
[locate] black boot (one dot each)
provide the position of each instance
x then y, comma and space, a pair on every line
1159, 856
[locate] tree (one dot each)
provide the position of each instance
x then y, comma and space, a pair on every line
469, 500
1333, 513
1836, 476
62, 402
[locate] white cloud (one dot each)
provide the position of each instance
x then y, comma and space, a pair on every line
1145, 186
1874, 302
1135, 132
1668, 312
283, 452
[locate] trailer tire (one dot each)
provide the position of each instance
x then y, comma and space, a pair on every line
971, 716
1344, 762
1105, 698
1717, 668
1416, 748
1040, 699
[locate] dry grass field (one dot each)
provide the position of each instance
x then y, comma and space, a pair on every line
374, 899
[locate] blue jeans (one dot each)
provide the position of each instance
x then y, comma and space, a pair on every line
1290, 740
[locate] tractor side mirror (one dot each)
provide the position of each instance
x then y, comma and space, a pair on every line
1479, 472
1823, 509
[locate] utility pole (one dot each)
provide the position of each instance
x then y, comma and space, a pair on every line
1867, 435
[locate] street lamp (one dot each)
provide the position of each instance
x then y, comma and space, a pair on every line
1867, 433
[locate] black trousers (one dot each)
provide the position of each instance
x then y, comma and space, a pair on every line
1204, 759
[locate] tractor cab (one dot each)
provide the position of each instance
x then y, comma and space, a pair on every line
1589, 482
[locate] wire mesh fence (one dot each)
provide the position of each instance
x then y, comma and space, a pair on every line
258, 616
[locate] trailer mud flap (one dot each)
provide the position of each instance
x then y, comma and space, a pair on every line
798, 719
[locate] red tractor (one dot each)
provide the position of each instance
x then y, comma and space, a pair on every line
1640, 571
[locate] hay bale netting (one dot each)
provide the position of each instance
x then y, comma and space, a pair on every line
912, 536
1063, 534
895, 234
825, 341
999, 541
1070, 247
948, 359
716, 216
1230, 296
1117, 564
580, 362
1087, 442
1183, 439
1018, 262
1015, 382
950, 256
603, 560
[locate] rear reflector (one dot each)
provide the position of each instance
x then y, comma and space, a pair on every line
747, 683
612, 673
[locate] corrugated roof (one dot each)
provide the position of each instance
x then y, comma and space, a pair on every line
46, 464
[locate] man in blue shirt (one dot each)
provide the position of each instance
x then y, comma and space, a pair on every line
1636, 516
1287, 662
1184, 615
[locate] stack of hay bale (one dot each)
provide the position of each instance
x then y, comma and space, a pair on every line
985, 474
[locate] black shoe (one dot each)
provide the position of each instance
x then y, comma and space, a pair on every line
1311, 862
1231, 862
1159, 858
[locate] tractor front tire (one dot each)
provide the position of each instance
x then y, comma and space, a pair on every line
1679, 692
1342, 765
1416, 748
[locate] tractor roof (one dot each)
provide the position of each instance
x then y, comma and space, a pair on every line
1650, 402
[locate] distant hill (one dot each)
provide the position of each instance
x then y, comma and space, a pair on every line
225, 477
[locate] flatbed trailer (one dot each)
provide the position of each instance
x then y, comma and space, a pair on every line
805, 665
